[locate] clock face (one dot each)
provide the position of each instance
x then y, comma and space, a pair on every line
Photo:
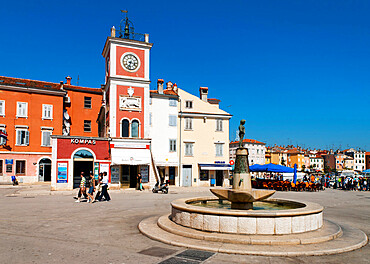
130, 62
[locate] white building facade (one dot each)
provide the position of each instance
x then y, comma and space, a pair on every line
256, 150
163, 126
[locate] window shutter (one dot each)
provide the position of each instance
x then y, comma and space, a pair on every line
27, 137
18, 137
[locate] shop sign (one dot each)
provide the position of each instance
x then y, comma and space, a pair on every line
96, 170
219, 162
62, 173
83, 141
9, 161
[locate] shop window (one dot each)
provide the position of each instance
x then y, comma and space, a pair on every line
189, 149
1, 167
172, 145
189, 123
2, 108
9, 168
204, 175
20, 167
22, 109
23, 136
87, 125
172, 120
47, 111
87, 102
135, 128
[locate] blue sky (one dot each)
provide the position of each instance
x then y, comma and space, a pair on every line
297, 71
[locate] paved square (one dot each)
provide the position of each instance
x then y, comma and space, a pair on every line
54, 229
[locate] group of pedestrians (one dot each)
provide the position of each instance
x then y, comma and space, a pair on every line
89, 184
354, 184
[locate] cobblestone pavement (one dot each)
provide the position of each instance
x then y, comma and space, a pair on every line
39, 226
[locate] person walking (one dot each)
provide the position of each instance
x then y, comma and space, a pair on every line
139, 180
98, 185
104, 191
90, 193
82, 189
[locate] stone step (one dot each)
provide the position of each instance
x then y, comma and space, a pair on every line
329, 231
351, 239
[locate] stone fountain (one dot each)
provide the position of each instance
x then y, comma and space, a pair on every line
209, 223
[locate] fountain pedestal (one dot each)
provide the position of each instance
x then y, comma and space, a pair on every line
241, 195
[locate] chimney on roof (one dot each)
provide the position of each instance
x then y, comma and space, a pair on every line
68, 78
61, 85
113, 32
175, 87
169, 85
160, 86
203, 93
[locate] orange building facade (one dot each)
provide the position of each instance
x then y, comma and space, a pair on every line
30, 112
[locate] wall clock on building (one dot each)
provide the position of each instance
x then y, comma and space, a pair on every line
130, 62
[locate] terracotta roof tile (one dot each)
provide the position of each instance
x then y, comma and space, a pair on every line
253, 141
166, 91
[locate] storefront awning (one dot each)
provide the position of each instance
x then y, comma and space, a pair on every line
130, 156
216, 166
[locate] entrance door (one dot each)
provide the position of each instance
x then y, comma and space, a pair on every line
219, 177
45, 170
186, 175
78, 166
83, 160
129, 176
172, 175
133, 176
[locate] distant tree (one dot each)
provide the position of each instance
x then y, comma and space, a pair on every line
303, 167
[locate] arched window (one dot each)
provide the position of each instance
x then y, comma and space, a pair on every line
83, 154
125, 128
135, 128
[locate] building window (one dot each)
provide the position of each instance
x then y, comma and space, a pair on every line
46, 138
22, 109
219, 125
87, 125
2, 108
219, 149
172, 145
87, 102
1, 167
135, 128
189, 104
23, 136
172, 120
125, 128
189, 149
47, 111
20, 167
204, 175
189, 123
2, 139
173, 102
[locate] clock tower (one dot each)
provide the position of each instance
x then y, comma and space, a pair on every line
126, 93
127, 82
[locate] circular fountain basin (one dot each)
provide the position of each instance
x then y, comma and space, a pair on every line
272, 217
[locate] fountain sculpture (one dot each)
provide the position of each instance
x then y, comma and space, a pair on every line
241, 195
